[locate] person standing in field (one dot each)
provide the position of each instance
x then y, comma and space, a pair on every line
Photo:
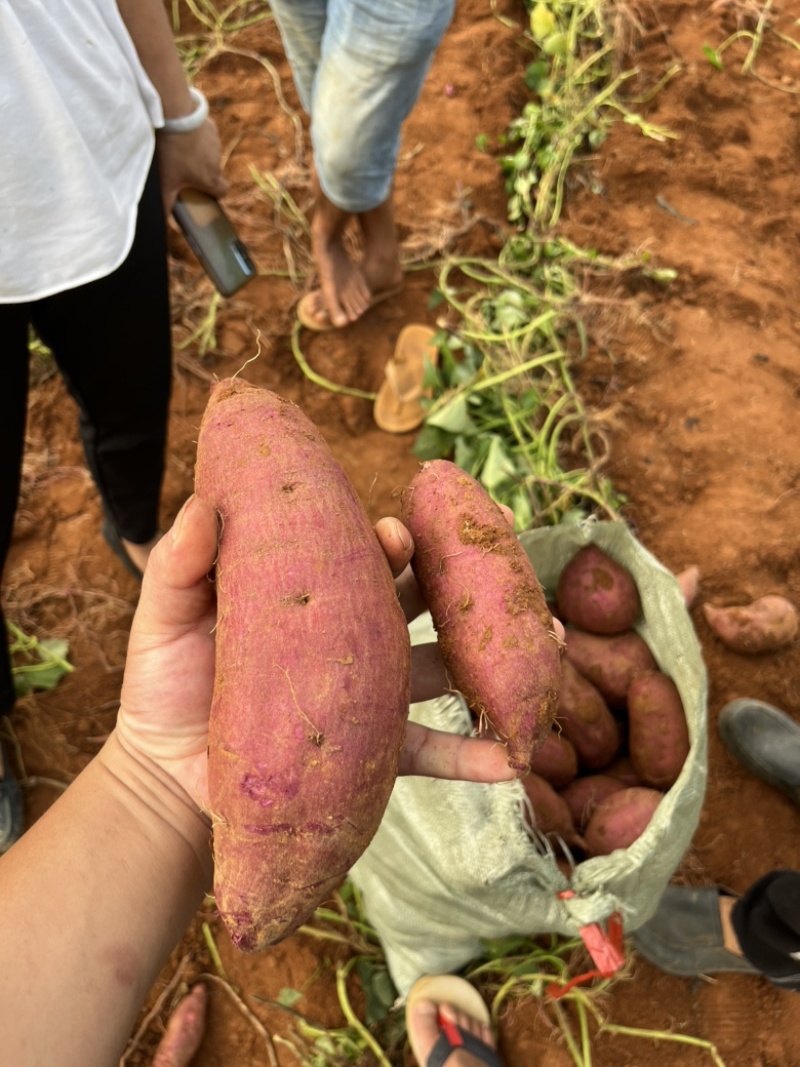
100, 130
358, 67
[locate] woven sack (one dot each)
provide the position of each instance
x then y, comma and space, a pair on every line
454, 863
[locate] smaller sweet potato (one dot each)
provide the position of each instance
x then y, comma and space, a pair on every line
585, 720
609, 662
556, 760
596, 594
767, 624
185, 1030
620, 820
658, 737
551, 814
584, 794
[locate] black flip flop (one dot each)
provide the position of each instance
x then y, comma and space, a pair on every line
462, 995
454, 1039
112, 539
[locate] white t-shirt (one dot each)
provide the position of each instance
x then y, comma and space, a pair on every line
77, 113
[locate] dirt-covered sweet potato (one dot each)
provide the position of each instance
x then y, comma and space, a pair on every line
584, 718
185, 1030
312, 677
556, 760
584, 794
495, 632
658, 737
596, 594
609, 662
765, 625
620, 820
551, 814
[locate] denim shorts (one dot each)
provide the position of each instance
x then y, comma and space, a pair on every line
359, 66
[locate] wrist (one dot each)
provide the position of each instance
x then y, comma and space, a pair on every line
189, 120
167, 815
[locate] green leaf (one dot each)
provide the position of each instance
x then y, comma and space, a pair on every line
289, 997
520, 504
437, 297
543, 22
453, 417
378, 989
501, 947
465, 454
51, 653
482, 142
55, 648
536, 77
431, 379
433, 443
713, 57
498, 467
555, 44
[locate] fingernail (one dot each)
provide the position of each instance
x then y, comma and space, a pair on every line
404, 535
177, 526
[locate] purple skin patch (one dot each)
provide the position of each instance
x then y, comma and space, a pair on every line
264, 790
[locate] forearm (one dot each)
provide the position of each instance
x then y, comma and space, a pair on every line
150, 31
95, 896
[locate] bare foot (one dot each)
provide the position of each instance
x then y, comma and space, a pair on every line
345, 294
730, 940
380, 263
423, 1020
347, 288
139, 554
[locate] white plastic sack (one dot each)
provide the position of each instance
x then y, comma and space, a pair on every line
453, 862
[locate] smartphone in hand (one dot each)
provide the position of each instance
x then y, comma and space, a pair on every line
212, 238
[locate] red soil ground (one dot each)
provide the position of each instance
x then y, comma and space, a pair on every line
698, 383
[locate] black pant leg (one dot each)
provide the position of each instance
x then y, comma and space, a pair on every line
14, 326
111, 340
767, 923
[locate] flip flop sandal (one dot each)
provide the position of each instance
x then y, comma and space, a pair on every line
11, 817
460, 994
312, 321
112, 539
397, 406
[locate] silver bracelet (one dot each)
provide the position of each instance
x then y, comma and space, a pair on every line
192, 121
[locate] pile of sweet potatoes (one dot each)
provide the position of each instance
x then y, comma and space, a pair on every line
620, 736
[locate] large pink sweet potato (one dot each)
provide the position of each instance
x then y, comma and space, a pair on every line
550, 812
658, 737
584, 794
596, 594
585, 720
555, 760
620, 820
609, 662
312, 666
495, 631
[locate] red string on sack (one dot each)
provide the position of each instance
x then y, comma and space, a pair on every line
603, 945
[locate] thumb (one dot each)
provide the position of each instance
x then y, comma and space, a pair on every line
176, 591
